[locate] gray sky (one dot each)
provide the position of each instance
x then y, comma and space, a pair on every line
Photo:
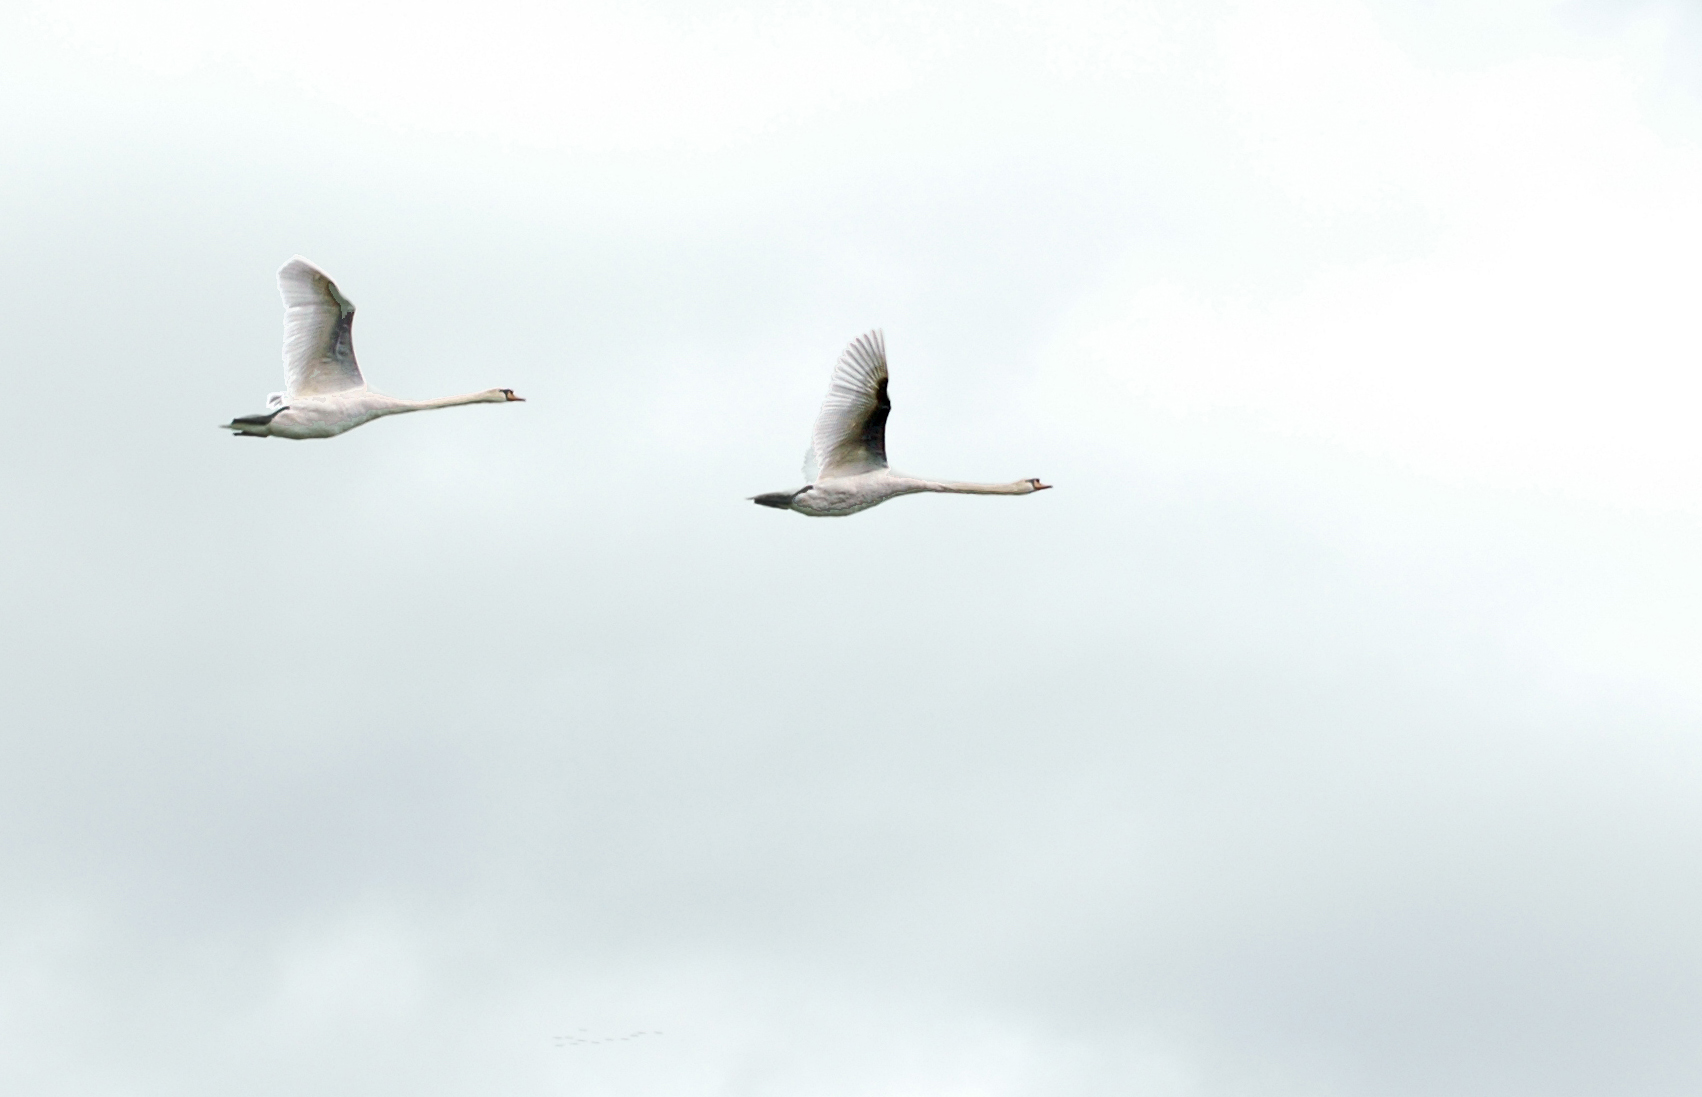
1334, 728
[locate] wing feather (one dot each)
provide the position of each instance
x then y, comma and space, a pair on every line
319, 344
850, 434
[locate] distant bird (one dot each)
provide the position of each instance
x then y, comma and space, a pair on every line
324, 392
846, 462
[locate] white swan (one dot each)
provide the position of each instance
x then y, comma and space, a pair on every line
324, 392
847, 457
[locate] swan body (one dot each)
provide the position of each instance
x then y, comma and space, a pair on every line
324, 392
847, 458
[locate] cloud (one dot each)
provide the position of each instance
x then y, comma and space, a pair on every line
1325, 731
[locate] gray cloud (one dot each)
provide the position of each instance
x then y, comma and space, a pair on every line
1239, 764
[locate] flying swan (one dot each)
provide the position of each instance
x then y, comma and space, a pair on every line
846, 461
324, 392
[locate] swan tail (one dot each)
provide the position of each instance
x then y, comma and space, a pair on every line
255, 426
781, 499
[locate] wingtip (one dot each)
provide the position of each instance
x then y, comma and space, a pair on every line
874, 340
301, 262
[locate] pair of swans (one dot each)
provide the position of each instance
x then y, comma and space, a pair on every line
325, 395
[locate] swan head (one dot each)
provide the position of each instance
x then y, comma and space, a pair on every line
509, 397
1036, 485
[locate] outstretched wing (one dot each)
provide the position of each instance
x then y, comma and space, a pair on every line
850, 435
319, 342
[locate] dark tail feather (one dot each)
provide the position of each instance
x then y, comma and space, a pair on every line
260, 420
780, 499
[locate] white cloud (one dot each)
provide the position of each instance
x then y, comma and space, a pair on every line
1327, 730
1518, 313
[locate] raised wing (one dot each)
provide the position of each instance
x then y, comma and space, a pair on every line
319, 342
850, 435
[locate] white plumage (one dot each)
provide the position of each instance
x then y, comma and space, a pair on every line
319, 341
324, 392
850, 434
846, 463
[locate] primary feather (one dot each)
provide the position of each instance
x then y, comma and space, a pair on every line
319, 342
850, 434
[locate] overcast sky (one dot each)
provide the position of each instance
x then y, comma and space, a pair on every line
1333, 729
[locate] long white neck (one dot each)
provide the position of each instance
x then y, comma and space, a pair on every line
1015, 487
489, 396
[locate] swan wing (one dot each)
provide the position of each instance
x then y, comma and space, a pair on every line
319, 342
850, 434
